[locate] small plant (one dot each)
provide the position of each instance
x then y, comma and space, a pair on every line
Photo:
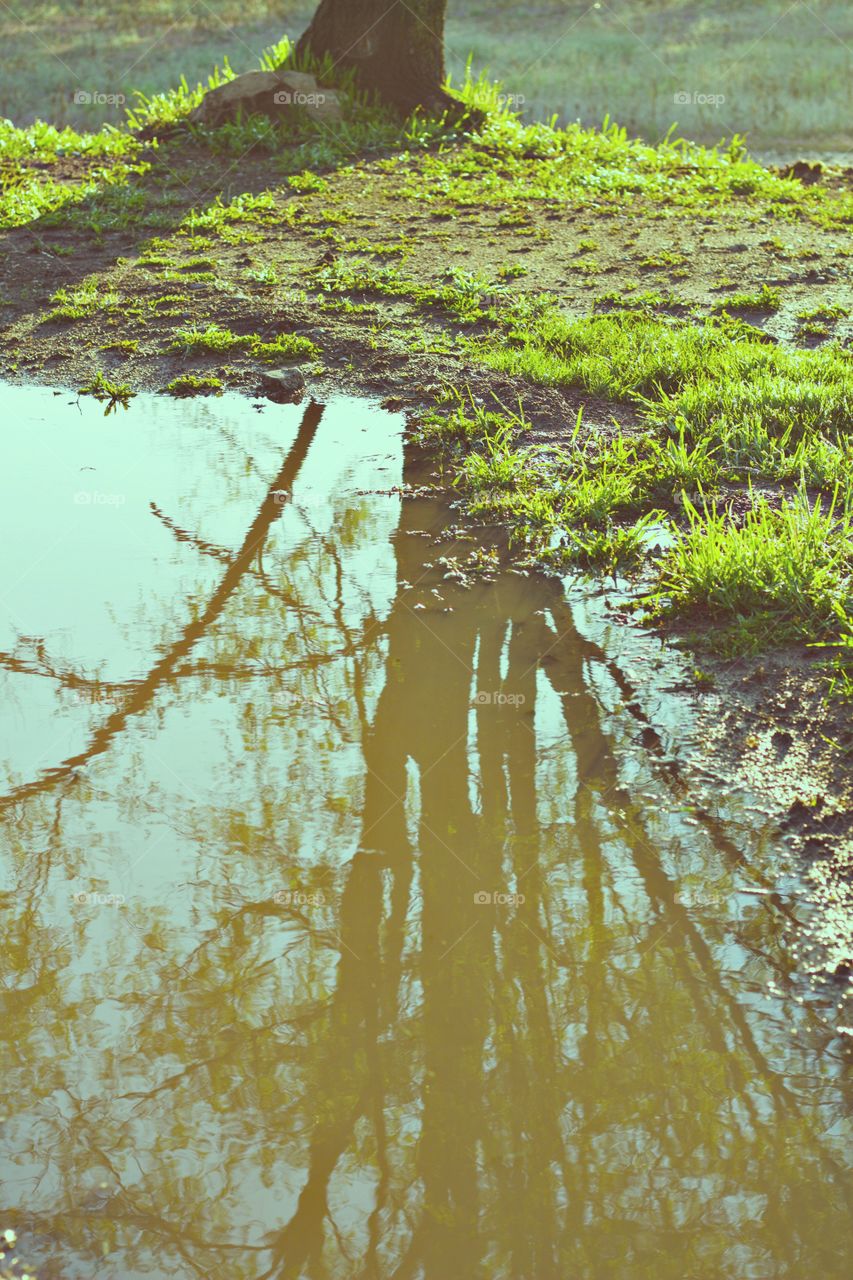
766, 299
187, 384
113, 393
826, 312
780, 575
663, 259
215, 340
513, 271
267, 276
608, 548
196, 264
840, 666
121, 346
80, 303
307, 181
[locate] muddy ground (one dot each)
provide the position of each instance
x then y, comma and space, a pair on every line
766, 721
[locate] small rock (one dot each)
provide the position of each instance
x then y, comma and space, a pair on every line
267, 93
284, 386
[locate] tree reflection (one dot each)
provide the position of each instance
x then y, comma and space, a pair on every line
351, 1066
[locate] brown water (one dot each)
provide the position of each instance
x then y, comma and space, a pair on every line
357, 920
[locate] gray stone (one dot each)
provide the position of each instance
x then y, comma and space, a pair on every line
274, 94
284, 386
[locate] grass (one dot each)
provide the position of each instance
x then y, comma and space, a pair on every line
784, 573
214, 340
122, 346
826, 312
766, 299
587, 166
112, 394
718, 410
602, 167
562, 62
719, 382
188, 384
79, 303
42, 141
719, 407
32, 196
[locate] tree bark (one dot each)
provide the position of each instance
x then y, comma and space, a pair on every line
396, 49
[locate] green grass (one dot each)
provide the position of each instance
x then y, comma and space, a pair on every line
717, 406
122, 346
42, 141
702, 379
583, 166
103, 198
112, 393
663, 260
32, 196
600, 168
718, 380
80, 303
825, 312
766, 411
563, 61
720, 408
214, 340
188, 384
783, 574
766, 299
27, 194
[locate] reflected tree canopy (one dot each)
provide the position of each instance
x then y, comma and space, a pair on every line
350, 938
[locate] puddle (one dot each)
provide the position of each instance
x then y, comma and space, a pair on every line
354, 924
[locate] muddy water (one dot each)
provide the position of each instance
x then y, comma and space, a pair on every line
354, 924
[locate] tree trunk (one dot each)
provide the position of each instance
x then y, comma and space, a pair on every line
396, 49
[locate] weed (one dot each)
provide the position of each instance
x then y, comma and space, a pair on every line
307, 181
824, 312
113, 393
80, 303
188, 384
663, 259
214, 340
121, 346
767, 299
266, 276
783, 574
